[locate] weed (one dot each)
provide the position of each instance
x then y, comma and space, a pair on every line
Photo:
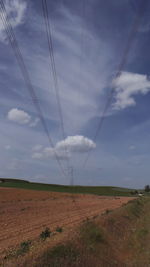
45, 234
59, 229
91, 234
22, 209
24, 247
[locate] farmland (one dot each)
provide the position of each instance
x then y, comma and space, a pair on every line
98, 190
25, 213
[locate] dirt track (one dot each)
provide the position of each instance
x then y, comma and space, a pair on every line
25, 213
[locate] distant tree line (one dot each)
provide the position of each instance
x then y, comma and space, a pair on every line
136, 192
147, 188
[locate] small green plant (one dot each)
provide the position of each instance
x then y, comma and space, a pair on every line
45, 234
24, 247
59, 229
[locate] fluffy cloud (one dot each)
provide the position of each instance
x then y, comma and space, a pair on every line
22, 117
77, 143
15, 10
64, 148
127, 85
19, 116
52, 152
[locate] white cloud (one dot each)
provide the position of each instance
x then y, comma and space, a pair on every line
127, 85
63, 148
22, 117
77, 143
19, 116
15, 10
49, 152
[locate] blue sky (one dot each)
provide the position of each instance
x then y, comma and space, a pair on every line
89, 38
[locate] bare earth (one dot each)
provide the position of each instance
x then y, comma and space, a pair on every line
25, 213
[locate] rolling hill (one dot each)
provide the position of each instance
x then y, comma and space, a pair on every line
98, 190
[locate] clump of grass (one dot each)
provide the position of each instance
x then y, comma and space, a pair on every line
45, 234
60, 255
64, 251
136, 207
59, 229
91, 234
24, 247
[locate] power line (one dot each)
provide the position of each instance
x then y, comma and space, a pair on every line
52, 59
54, 72
52, 67
123, 61
82, 46
14, 44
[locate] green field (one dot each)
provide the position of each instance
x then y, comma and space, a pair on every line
98, 190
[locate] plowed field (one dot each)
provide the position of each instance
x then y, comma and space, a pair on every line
25, 213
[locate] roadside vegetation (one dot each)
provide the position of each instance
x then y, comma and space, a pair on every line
118, 238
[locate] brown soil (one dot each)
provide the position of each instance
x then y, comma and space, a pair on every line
25, 213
